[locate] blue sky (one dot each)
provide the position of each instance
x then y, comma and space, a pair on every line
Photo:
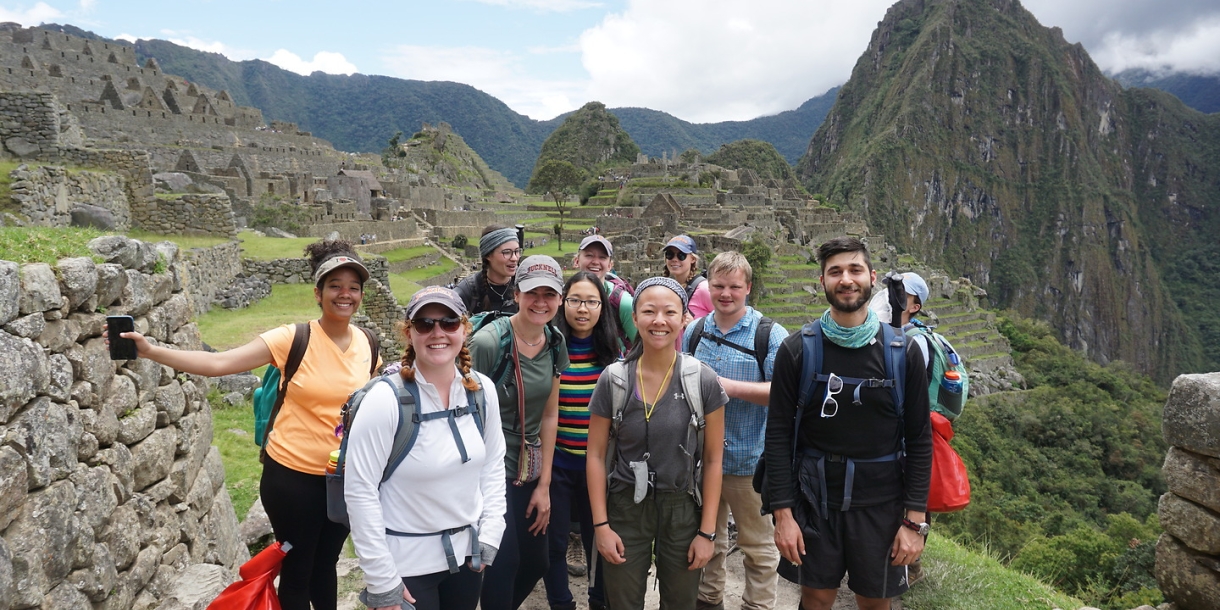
701, 60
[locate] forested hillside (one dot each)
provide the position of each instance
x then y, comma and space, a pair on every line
979, 140
1197, 91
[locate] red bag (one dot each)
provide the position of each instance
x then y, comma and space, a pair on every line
950, 489
256, 588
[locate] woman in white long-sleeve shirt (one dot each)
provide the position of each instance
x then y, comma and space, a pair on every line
426, 534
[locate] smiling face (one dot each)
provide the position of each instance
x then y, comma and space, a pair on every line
538, 306
679, 265
848, 281
582, 318
594, 260
339, 294
658, 316
729, 290
500, 266
436, 348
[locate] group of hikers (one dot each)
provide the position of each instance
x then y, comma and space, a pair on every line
530, 400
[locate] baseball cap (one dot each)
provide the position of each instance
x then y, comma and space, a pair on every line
435, 294
913, 284
539, 270
598, 239
335, 262
683, 243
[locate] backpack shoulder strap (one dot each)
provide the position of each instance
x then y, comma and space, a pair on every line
479, 399
506, 355
811, 363
296, 353
691, 369
895, 364
696, 335
762, 345
374, 349
554, 340
408, 424
619, 395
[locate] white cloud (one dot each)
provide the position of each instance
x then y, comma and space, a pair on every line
493, 71
210, 46
127, 37
323, 61
712, 60
1196, 50
39, 13
87, 5
551, 6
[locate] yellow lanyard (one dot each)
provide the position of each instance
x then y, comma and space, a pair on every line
639, 373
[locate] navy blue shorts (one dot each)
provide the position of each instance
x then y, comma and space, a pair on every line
856, 543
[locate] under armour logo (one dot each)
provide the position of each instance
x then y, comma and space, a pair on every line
679, 396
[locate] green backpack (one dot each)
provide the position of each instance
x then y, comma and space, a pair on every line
269, 397
944, 358
503, 330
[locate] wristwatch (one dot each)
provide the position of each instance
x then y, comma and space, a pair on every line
919, 528
704, 534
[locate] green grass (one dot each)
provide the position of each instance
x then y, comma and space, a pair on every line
440, 267
186, 242
269, 248
6, 202
402, 254
45, 244
960, 579
228, 328
233, 435
402, 288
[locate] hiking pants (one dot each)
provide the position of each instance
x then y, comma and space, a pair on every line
755, 538
296, 506
522, 557
663, 524
569, 502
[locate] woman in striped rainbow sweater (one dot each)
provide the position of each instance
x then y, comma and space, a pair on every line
592, 340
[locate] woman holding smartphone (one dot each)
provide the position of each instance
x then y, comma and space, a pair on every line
339, 359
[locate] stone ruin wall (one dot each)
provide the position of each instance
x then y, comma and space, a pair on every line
1188, 553
194, 214
48, 194
109, 485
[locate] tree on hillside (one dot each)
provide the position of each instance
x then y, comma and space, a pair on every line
558, 179
393, 150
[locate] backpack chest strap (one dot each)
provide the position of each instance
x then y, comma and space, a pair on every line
859, 383
451, 415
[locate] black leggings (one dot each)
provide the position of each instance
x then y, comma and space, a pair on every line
522, 558
296, 506
445, 591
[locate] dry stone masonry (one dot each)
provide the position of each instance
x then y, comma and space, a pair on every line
53, 196
1188, 553
109, 485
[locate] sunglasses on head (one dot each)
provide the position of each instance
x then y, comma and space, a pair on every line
670, 254
448, 324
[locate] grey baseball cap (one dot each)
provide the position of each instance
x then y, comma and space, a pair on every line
435, 294
539, 270
598, 239
913, 284
335, 262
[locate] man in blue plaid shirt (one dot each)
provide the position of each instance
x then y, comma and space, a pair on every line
727, 344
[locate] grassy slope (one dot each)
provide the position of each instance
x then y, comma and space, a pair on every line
229, 328
961, 579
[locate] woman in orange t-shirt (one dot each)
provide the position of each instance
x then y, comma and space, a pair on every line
336, 363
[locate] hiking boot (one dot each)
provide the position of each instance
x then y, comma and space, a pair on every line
576, 556
568, 606
702, 605
914, 573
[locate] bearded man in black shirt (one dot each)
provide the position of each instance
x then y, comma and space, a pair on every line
859, 479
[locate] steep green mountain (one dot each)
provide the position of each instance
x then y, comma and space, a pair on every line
589, 138
977, 139
360, 113
1199, 92
752, 154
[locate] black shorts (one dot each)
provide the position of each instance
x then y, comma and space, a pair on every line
856, 543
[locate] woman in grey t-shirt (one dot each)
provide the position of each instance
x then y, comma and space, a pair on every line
656, 490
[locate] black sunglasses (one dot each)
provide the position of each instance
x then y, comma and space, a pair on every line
424, 326
670, 254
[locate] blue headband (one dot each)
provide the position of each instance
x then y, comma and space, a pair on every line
667, 282
488, 243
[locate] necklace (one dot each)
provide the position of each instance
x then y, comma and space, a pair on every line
517, 334
639, 373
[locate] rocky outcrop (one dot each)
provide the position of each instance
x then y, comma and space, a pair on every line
109, 486
1188, 553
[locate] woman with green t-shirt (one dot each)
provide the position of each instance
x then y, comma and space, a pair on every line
529, 411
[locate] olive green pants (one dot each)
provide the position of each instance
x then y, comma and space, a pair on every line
663, 525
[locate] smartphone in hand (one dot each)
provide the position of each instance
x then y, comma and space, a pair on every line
120, 348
